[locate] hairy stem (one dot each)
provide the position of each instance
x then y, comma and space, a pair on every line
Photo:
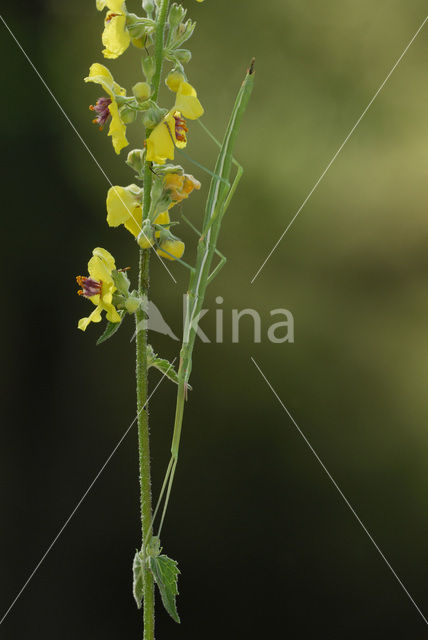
144, 445
142, 358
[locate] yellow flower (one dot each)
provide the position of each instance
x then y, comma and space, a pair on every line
106, 107
116, 38
124, 206
99, 287
172, 249
180, 186
172, 129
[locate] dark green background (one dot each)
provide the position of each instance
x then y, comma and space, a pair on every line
265, 542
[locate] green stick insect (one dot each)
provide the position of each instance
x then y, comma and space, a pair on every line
219, 198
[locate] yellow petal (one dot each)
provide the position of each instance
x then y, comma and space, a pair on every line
145, 242
83, 324
94, 317
124, 206
187, 102
120, 204
173, 80
105, 256
134, 224
174, 249
117, 129
113, 5
116, 38
160, 145
99, 74
119, 91
107, 294
163, 218
98, 270
111, 313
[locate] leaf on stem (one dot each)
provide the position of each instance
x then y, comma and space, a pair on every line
138, 581
163, 365
165, 572
111, 328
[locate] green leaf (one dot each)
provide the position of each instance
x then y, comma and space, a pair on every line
163, 365
165, 572
111, 328
138, 581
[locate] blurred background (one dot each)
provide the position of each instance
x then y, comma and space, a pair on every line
262, 537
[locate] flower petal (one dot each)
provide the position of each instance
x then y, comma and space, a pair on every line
187, 102
163, 218
116, 38
117, 129
106, 256
160, 144
111, 313
94, 317
174, 249
133, 224
98, 270
113, 5
120, 203
99, 74
124, 206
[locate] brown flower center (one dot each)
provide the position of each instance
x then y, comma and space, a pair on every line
110, 16
90, 287
101, 109
180, 127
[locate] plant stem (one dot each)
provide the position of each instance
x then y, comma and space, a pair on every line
141, 365
159, 46
144, 445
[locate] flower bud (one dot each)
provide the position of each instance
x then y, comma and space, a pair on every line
145, 238
132, 304
135, 160
149, 7
174, 79
139, 27
152, 117
148, 64
139, 43
171, 249
127, 114
183, 55
185, 31
142, 91
177, 13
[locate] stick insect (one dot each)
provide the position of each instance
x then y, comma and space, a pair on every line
220, 195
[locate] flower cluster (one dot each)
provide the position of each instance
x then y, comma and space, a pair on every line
165, 130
